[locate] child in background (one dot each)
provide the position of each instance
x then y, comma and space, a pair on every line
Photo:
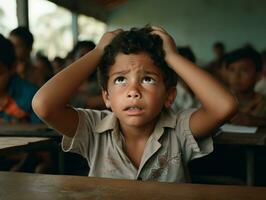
184, 98
260, 86
141, 138
15, 101
15, 93
243, 71
22, 39
89, 93
42, 70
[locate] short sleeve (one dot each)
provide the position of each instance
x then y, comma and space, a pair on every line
83, 137
191, 148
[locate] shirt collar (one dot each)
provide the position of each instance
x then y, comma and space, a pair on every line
167, 118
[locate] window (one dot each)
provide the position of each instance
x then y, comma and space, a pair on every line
51, 27
90, 28
8, 17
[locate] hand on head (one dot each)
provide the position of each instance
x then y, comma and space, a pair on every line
168, 42
107, 38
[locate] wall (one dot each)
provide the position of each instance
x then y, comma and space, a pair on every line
199, 23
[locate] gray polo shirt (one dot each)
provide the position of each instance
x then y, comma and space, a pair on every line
168, 150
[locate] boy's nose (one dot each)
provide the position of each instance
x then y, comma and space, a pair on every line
133, 92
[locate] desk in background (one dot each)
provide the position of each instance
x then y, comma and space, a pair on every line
249, 142
26, 137
57, 187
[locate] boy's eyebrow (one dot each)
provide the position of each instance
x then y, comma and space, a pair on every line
150, 72
123, 72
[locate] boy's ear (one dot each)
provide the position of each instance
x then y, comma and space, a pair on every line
170, 97
106, 98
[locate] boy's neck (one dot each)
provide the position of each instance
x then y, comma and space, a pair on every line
137, 133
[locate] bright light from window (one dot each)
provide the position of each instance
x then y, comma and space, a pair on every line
51, 27
8, 18
90, 28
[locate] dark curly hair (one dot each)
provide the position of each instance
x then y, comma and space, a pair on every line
134, 41
242, 53
24, 34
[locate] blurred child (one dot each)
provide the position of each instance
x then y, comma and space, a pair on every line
243, 71
15, 100
89, 93
141, 138
184, 96
260, 86
42, 70
15, 93
58, 64
22, 39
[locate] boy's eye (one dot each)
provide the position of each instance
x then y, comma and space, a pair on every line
148, 80
120, 80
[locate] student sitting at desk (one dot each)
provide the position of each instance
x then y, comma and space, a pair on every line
15, 93
243, 70
15, 106
142, 138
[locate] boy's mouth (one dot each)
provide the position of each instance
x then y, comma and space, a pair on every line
133, 108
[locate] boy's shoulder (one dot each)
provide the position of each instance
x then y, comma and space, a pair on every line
100, 120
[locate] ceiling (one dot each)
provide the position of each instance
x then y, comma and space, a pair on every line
100, 9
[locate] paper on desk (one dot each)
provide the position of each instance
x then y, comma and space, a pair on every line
238, 129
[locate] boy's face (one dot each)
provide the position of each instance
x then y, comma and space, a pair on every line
21, 49
242, 76
136, 92
4, 78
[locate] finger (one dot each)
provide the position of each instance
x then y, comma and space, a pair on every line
117, 31
158, 28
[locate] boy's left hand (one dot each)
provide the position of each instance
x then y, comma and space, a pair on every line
169, 45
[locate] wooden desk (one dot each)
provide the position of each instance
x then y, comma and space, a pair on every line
12, 144
27, 130
249, 142
24, 186
25, 137
243, 139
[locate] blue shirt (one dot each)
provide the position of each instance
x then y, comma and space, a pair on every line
21, 92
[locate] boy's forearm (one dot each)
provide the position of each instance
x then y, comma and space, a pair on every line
210, 92
57, 91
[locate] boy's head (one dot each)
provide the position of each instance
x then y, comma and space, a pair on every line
136, 81
22, 40
136, 41
7, 61
243, 66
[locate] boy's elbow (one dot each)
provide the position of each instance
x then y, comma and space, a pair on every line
229, 108
39, 107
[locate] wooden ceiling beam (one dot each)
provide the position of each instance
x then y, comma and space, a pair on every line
85, 7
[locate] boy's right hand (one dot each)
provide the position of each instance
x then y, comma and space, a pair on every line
107, 38
169, 45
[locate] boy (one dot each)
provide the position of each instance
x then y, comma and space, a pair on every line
244, 67
15, 93
141, 138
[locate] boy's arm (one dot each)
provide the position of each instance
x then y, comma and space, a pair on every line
50, 102
218, 104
